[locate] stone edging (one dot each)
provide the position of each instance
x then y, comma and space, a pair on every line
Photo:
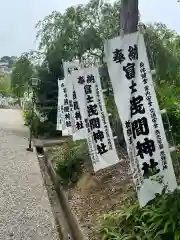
73, 224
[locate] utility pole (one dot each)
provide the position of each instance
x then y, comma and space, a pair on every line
129, 16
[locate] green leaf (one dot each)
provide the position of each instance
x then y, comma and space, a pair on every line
167, 224
177, 234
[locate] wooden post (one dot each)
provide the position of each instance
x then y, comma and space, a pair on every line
129, 16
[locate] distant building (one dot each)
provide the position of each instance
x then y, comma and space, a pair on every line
4, 68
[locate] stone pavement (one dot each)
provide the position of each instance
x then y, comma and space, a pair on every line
25, 211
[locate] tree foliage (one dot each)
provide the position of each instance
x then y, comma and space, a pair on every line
9, 60
154, 221
5, 85
21, 76
79, 33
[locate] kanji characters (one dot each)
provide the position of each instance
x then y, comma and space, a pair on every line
150, 169
129, 132
99, 135
79, 125
69, 70
133, 52
87, 124
163, 159
76, 106
143, 73
136, 105
74, 95
141, 65
92, 110
66, 108
132, 87
129, 70
101, 148
94, 123
147, 147
88, 89
66, 101
67, 116
68, 123
81, 80
128, 124
118, 56
159, 139
70, 103
140, 127
89, 99
90, 78
149, 101
78, 115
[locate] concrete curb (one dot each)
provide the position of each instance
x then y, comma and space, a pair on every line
73, 224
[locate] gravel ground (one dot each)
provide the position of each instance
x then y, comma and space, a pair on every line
25, 211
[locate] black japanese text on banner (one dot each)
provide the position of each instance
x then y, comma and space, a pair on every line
99, 135
78, 128
59, 113
137, 105
64, 108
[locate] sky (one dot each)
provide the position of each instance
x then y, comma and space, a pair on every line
19, 17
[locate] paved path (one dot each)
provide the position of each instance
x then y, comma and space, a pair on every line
25, 211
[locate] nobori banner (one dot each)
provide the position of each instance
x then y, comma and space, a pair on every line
78, 128
94, 116
138, 108
64, 111
63, 114
59, 112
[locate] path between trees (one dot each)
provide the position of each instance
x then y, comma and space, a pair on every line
25, 211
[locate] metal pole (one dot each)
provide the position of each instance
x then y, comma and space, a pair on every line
30, 149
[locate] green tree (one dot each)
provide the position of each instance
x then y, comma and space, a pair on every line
163, 46
47, 93
80, 33
21, 76
9, 60
5, 85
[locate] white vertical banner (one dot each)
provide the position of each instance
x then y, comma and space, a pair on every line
64, 109
59, 113
94, 115
78, 127
138, 108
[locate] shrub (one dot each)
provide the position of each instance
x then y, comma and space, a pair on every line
39, 128
69, 160
159, 220
168, 96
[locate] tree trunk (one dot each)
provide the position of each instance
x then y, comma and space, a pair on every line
129, 16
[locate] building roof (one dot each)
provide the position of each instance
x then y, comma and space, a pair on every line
4, 64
